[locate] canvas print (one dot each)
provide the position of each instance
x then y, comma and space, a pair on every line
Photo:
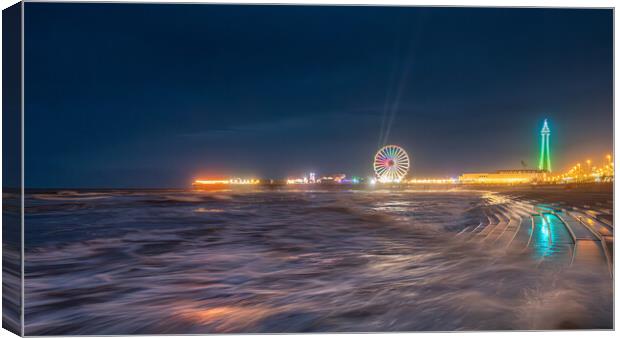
200, 168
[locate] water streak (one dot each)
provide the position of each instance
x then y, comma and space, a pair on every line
293, 261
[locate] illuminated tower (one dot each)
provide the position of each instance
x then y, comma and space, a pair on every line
545, 156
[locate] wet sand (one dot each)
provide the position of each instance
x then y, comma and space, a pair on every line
596, 198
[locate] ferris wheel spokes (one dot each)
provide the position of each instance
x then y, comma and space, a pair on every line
391, 164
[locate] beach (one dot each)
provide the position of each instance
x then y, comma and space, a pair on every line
305, 260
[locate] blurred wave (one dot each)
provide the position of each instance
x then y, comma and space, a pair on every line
127, 262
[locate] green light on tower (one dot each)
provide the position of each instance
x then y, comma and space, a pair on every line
545, 156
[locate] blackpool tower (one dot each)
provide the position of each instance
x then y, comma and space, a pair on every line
545, 157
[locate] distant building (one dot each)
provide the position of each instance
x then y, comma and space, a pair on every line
332, 179
503, 177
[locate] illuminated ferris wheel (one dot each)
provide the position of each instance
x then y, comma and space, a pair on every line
391, 164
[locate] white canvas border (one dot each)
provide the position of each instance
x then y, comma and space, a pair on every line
474, 3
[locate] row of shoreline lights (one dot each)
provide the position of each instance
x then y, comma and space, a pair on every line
575, 174
232, 181
578, 173
334, 178
587, 173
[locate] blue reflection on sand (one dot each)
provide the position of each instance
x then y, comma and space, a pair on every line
550, 238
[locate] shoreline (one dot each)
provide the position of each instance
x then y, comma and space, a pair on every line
596, 197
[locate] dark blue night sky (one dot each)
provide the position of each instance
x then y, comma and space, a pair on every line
134, 95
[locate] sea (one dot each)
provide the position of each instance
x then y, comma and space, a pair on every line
291, 260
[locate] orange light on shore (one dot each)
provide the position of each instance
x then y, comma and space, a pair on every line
243, 181
432, 181
594, 173
210, 182
232, 181
296, 181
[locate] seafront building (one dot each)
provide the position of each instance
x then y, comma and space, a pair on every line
517, 176
504, 177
